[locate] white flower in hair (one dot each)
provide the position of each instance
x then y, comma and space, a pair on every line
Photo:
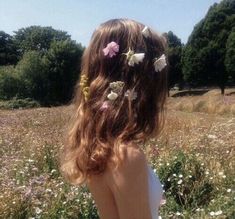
131, 94
160, 63
134, 58
117, 86
146, 32
112, 96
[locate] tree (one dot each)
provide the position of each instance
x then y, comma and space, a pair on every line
230, 56
174, 57
8, 53
37, 38
204, 55
173, 40
63, 65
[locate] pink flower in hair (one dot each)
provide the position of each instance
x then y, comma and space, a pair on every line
104, 106
111, 49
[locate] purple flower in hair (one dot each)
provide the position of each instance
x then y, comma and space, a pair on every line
111, 49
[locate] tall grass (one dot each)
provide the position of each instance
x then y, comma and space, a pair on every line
211, 102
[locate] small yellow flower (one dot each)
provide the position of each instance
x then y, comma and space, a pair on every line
84, 86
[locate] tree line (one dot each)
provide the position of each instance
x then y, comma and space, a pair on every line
43, 63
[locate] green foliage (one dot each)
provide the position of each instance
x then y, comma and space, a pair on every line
15, 103
230, 55
8, 52
63, 63
184, 177
204, 55
37, 38
174, 57
87, 205
31, 72
173, 40
22, 210
50, 163
9, 83
47, 78
191, 65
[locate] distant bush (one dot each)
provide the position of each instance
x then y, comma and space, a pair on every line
19, 103
31, 72
9, 83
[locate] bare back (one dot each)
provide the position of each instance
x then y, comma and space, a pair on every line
123, 193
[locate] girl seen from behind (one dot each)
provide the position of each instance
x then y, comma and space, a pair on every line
119, 104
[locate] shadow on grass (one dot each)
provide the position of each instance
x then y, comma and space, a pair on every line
190, 93
231, 93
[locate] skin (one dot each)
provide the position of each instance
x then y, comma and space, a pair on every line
123, 193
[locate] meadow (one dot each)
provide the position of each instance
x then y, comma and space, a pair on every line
193, 156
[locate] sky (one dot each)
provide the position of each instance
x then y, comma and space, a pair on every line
80, 17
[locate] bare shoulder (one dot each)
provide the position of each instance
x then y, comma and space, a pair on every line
133, 166
134, 156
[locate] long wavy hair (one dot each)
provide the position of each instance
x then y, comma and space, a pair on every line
95, 136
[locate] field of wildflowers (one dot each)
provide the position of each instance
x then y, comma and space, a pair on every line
194, 158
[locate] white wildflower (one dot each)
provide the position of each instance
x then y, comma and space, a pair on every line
38, 210
212, 213
30, 160
211, 136
180, 181
218, 212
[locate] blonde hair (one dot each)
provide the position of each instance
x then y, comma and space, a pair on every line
95, 135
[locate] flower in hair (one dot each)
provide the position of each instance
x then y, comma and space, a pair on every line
112, 96
146, 32
104, 106
131, 94
111, 49
84, 86
134, 58
116, 89
160, 63
117, 86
